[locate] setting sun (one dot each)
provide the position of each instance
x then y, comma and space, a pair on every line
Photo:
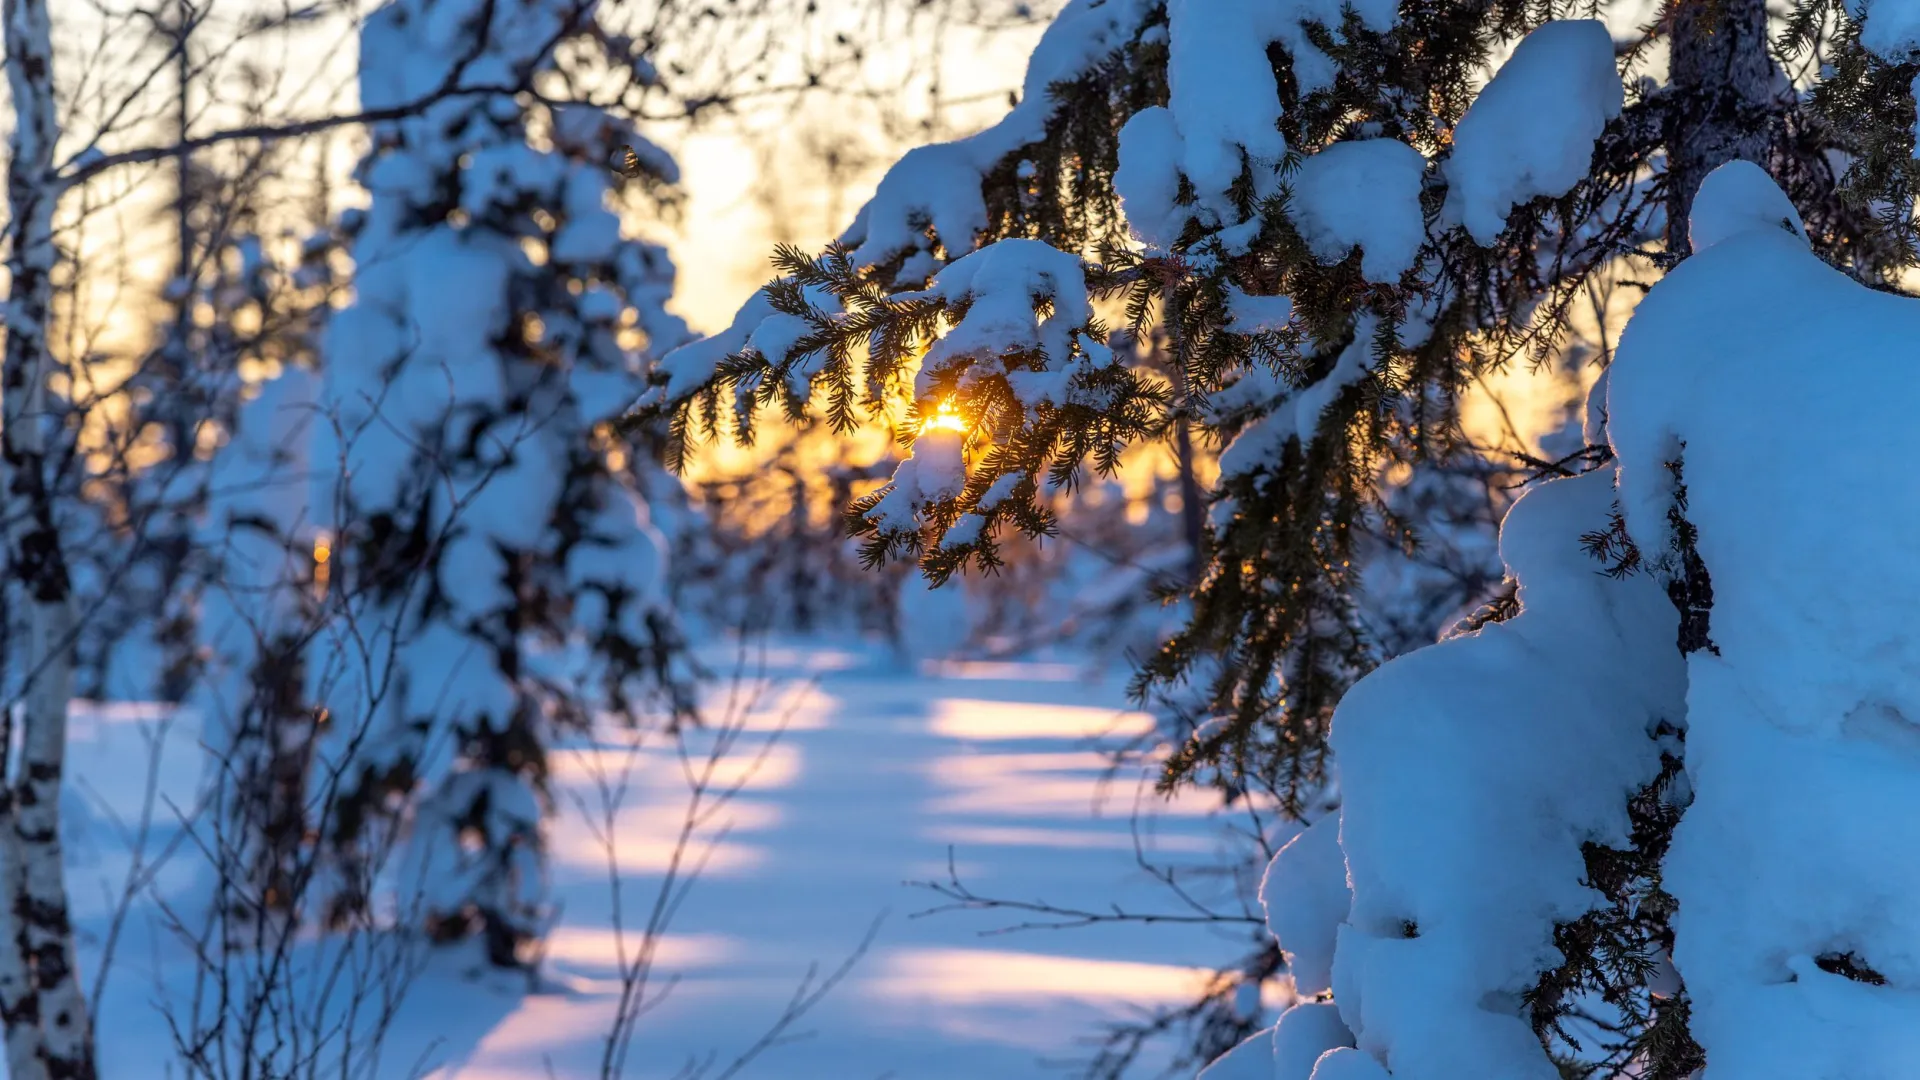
946, 418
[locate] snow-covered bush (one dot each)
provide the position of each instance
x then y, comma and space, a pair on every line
1789, 500
1495, 786
1474, 774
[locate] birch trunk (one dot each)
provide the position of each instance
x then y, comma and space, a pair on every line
48, 1030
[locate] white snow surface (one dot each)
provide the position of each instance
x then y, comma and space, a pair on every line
999, 285
1735, 198
1471, 773
1532, 129
1257, 314
1305, 896
1252, 1059
1148, 177
1362, 193
692, 365
1890, 28
1786, 391
881, 768
1304, 1035
934, 472
1222, 96
1348, 1064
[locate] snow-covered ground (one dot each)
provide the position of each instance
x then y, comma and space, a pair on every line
880, 769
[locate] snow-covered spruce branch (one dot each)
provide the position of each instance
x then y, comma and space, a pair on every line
825, 328
1362, 229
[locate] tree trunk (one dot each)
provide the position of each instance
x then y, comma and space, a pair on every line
1193, 521
1719, 102
48, 1030
183, 193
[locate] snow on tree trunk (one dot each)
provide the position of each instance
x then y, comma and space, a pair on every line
1761, 406
48, 1029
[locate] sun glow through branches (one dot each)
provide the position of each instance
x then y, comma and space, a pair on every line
946, 418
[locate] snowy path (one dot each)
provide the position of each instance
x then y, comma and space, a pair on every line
879, 771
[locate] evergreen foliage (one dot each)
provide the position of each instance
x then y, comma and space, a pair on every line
496, 579
1313, 376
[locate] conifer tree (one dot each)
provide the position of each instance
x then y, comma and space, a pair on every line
256, 608
1342, 223
484, 532
141, 568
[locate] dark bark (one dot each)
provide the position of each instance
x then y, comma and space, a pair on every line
1719, 104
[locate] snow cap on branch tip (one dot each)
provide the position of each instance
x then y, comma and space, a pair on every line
1305, 896
1348, 1064
1889, 29
1148, 177
999, 284
685, 369
939, 185
1221, 84
935, 472
1305, 1034
1532, 130
1363, 193
1252, 1059
1739, 197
